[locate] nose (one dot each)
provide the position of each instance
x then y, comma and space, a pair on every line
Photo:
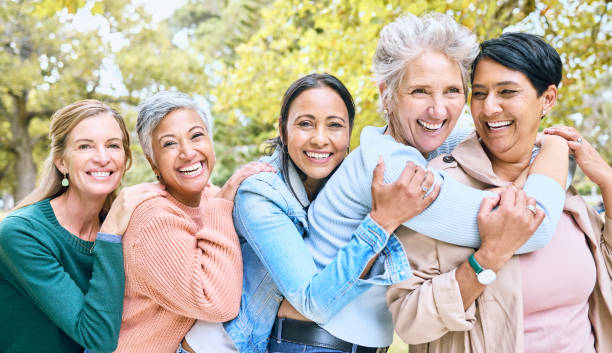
320, 136
187, 151
437, 110
491, 105
101, 156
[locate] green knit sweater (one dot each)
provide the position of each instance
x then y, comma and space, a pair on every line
56, 295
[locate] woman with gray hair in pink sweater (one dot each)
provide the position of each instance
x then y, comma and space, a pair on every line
181, 253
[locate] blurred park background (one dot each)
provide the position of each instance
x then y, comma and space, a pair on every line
238, 57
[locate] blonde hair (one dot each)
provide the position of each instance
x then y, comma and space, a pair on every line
63, 122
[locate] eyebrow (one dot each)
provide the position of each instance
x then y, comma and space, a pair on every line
312, 117
90, 140
192, 128
503, 83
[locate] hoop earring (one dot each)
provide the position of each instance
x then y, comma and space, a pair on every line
65, 181
386, 114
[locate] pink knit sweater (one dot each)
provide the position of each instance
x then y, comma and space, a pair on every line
181, 264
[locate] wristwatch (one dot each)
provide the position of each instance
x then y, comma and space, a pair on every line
484, 275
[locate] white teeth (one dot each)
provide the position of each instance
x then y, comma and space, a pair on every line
497, 124
429, 126
99, 174
316, 155
192, 169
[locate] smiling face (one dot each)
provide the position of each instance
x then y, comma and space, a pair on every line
429, 101
94, 158
183, 155
318, 134
507, 110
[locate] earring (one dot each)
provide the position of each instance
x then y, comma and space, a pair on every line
386, 114
65, 181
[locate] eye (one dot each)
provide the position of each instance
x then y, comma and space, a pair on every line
479, 95
336, 124
453, 90
115, 145
508, 92
197, 134
418, 91
168, 143
84, 146
304, 123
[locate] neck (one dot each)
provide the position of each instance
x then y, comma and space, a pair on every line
508, 169
86, 223
191, 201
312, 187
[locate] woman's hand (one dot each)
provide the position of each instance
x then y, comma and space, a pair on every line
505, 223
587, 157
121, 210
228, 191
397, 202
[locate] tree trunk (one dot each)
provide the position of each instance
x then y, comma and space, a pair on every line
25, 168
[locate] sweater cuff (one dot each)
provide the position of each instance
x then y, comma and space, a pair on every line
111, 238
449, 303
217, 217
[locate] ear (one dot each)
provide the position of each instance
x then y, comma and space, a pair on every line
152, 164
280, 130
60, 164
549, 98
381, 89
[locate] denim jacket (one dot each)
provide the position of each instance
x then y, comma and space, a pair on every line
271, 224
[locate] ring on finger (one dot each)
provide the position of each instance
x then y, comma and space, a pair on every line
424, 188
532, 208
579, 140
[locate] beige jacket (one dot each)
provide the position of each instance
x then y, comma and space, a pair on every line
427, 308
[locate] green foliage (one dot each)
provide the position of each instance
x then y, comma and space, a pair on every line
339, 37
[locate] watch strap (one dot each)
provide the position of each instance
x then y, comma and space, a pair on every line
475, 265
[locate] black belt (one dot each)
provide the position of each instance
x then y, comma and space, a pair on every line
311, 334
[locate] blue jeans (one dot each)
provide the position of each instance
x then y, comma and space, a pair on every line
282, 346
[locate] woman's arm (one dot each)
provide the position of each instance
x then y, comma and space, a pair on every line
194, 272
598, 170
92, 319
430, 304
458, 204
260, 217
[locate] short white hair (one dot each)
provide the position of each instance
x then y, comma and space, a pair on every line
153, 109
404, 39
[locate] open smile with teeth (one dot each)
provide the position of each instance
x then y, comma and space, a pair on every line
318, 155
430, 126
193, 169
499, 124
100, 174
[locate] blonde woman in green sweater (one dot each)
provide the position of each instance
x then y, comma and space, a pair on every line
61, 263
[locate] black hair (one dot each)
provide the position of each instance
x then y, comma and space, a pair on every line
526, 53
302, 84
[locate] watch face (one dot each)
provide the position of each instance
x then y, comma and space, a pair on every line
486, 276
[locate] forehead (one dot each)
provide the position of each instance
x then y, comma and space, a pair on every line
102, 126
489, 71
178, 121
432, 68
321, 100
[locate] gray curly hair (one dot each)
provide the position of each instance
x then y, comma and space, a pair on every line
153, 109
404, 39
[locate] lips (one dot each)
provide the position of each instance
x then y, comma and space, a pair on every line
99, 174
431, 126
192, 169
497, 125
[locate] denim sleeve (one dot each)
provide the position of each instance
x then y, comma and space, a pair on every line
261, 217
452, 216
